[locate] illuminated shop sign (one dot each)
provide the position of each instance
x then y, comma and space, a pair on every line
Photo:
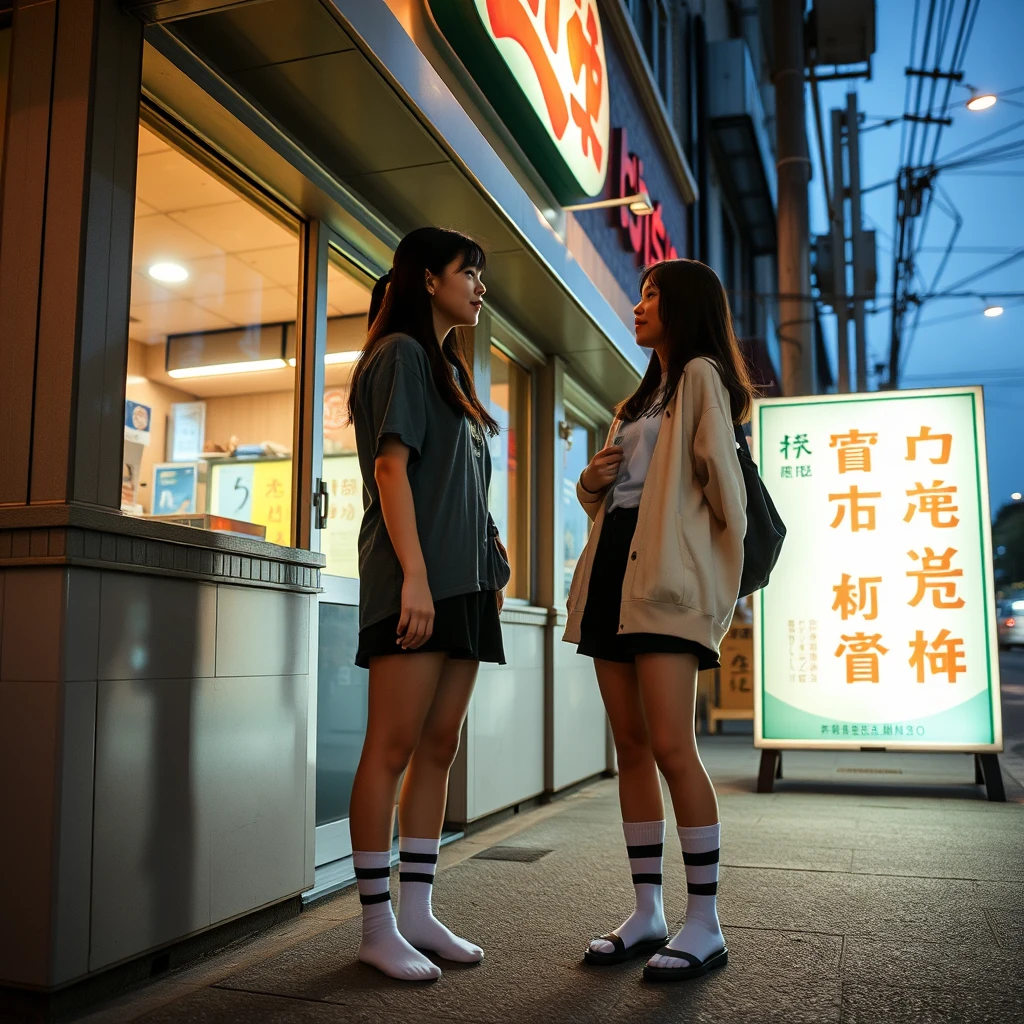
645, 236
542, 65
878, 628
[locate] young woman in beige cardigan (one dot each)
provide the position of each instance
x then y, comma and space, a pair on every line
653, 596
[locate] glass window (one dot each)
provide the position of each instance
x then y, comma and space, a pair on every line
348, 299
210, 392
576, 453
509, 498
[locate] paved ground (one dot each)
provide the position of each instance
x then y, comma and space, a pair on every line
867, 888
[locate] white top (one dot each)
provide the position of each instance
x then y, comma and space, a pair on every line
637, 440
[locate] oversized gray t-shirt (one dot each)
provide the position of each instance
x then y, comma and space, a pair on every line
449, 473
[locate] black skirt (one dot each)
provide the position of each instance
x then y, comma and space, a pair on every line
599, 630
466, 627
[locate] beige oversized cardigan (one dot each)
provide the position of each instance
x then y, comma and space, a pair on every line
683, 573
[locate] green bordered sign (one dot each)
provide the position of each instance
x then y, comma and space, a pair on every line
541, 64
878, 628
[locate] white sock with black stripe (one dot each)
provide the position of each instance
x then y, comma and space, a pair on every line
417, 865
645, 847
382, 946
701, 934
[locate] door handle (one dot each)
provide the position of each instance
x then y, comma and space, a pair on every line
321, 504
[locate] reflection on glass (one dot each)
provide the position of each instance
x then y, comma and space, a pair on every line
347, 303
209, 397
509, 497
575, 522
341, 711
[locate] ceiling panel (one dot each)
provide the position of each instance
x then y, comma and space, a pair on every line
219, 275
242, 309
160, 238
345, 296
145, 289
279, 263
235, 227
363, 127
155, 320
149, 142
168, 181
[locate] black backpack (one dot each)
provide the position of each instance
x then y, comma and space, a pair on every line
766, 531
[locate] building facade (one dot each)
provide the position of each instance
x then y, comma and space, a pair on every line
195, 199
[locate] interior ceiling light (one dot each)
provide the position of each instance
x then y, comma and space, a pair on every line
335, 357
982, 102
1015, 495
993, 311
172, 273
218, 369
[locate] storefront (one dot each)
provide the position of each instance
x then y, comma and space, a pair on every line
186, 253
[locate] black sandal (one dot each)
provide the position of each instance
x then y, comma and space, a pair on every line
646, 947
695, 970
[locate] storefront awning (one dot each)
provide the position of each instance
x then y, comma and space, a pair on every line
736, 122
345, 82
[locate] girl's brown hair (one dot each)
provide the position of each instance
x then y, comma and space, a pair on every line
694, 312
400, 304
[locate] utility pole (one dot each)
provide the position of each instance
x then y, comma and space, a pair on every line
841, 299
862, 285
793, 168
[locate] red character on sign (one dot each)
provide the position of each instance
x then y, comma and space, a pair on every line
584, 54
510, 20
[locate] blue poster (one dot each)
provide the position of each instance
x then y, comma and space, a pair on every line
174, 489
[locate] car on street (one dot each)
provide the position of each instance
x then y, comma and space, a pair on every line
1010, 622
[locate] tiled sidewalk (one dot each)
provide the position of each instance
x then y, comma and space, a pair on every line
852, 896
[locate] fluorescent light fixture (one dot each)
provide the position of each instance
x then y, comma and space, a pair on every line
133, 379
218, 369
639, 204
982, 102
993, 311
335, 357
171, 273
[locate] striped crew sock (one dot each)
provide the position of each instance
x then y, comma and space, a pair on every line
416, 921
701, 934
382, 946
645, 846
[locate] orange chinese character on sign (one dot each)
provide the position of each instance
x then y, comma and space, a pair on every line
936, 501
854, 453
860, 518
275, 489
943, 659
275, 514
584, 55
862, 653
854, 598
936, 576
946, 440
511, 20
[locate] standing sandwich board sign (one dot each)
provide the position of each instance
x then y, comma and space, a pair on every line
878, 629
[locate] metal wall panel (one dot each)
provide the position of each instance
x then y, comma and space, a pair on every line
260, 632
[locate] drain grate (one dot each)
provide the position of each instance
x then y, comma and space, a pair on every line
871, 771
524, 854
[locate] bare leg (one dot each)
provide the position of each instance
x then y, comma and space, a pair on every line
421, 815
425, 787
402, 689
668, 687
639, 786
643, 810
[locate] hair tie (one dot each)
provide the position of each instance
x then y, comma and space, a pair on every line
385, 278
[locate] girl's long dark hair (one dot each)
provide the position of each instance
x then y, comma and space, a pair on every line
400, 304
694, 312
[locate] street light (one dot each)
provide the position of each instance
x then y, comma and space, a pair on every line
982, 101
991, 311
639, 204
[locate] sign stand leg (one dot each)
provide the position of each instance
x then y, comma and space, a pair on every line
987, 766
771, 768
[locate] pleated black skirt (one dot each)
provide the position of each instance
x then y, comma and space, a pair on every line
466, 627
599, 630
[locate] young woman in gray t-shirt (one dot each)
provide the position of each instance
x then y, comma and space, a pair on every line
431, 572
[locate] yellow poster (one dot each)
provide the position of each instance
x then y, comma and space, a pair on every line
272, 499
